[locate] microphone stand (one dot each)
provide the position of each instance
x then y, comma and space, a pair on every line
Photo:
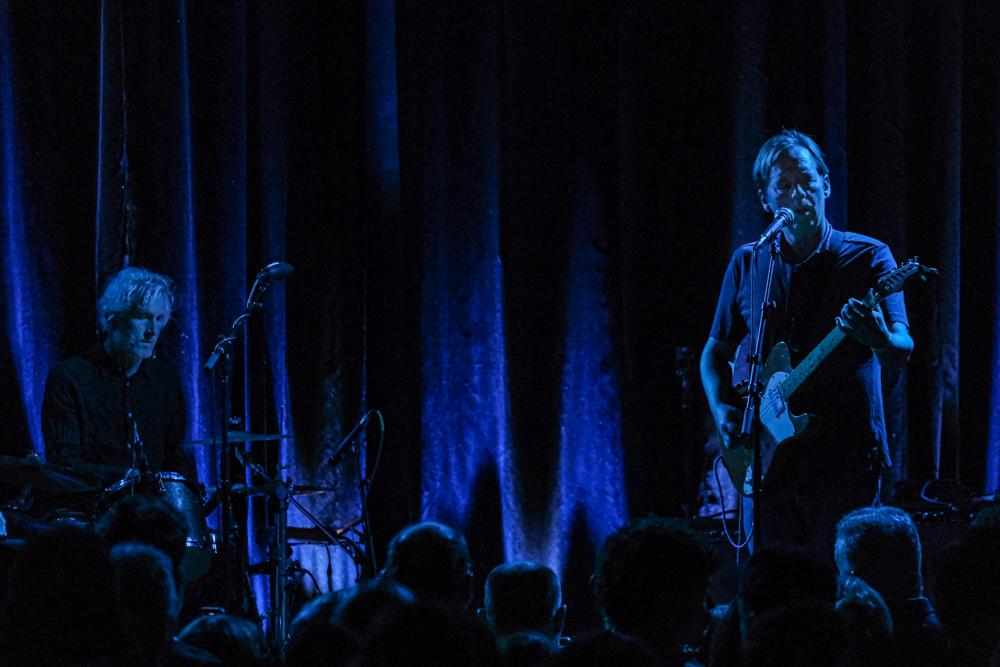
223, 352
751, 416
368, 567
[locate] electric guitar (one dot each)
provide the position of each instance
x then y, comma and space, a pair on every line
782, 382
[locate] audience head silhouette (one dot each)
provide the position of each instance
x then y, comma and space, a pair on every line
235, 641
651, 581
60, 600
432, 560
148, 521
780, 573
881, 545
967, 591
524, 596
147, 600
803, 632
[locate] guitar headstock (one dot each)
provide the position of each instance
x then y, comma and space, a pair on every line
893, 281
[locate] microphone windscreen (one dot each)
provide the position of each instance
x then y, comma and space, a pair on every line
276, 271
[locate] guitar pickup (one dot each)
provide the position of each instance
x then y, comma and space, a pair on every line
776, 401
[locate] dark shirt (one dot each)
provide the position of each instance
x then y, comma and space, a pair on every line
918, 638
844, 394
180, 654
85, 416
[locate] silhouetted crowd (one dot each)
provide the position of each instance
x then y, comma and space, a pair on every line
111, 596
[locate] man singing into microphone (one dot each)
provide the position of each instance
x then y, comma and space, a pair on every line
97, 402
819, 276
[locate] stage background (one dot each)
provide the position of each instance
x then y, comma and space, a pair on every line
504, 220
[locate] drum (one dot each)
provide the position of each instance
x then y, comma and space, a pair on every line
18, 523
185, 496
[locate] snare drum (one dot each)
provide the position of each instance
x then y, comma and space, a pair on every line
184, 496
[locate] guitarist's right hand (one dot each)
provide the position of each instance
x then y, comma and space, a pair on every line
717, 379
730, 422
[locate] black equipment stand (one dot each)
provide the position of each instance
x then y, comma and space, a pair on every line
751, 416
229, 553
368, 566
227, 548
280, 565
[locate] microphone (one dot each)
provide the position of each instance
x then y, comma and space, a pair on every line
343, 448
280, 271
782, 217
273, 271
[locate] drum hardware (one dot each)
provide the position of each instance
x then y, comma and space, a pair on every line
350, 444
32, 471
280, 563
277, 539
23, 502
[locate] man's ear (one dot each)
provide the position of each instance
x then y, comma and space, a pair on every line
763, 201
465, 591
558, 620
826, 186
481, 613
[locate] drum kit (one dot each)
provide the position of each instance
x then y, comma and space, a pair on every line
70, 496
90, 499
222, 551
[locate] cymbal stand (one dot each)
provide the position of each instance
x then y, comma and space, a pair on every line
282, 490
368, 567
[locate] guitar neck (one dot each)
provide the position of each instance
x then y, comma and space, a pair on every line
795, 379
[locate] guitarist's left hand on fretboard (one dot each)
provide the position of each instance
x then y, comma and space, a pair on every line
864, 324
890, 341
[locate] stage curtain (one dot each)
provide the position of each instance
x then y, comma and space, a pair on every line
509, 224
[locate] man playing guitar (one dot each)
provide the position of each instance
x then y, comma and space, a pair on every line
819, 275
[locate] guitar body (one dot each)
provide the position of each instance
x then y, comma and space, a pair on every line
780, 425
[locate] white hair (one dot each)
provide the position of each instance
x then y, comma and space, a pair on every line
132, 287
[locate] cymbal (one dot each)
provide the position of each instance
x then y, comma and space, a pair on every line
239, 436
240, 489
309, 490
47, 476
317, 535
